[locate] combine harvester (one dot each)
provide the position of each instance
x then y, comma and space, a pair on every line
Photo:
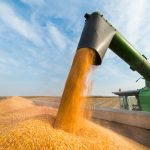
98, 34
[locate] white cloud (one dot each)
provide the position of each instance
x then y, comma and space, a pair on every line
135, 16
33, 2
8, 61
55, 29
55, 36
10, 18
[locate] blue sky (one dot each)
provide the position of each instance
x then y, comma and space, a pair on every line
38, 39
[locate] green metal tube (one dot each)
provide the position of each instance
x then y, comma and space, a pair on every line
130, 55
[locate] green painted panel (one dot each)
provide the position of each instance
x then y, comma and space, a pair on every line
147, 83
144, 96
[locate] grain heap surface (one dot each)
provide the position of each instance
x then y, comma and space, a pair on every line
17, 109
32, 128
14, 103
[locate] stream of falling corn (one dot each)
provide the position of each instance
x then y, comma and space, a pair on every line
70, 113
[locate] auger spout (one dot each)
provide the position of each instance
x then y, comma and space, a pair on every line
99, 35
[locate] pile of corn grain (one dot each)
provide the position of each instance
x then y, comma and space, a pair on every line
25, 126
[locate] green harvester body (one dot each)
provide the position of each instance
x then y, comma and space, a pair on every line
144, 97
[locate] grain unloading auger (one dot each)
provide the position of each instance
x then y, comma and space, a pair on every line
98, 34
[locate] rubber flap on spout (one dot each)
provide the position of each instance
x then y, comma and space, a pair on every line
97, 35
